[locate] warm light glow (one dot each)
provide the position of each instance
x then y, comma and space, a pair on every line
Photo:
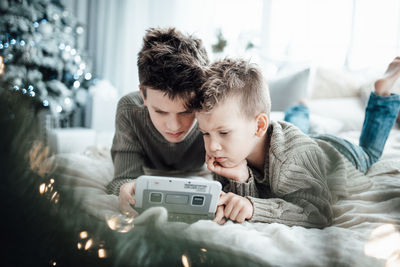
120, 223
42, 188
88, 244
393, 261
52, 181
112, 223
54, 263
102, 253
203, 249
83, 234
185, 261
55, 197
79, 245
1, 65
40, 160
384, 243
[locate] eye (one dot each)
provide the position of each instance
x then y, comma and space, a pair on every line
205, 134
223, 133
161, 112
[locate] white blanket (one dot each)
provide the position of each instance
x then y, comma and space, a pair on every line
365, 231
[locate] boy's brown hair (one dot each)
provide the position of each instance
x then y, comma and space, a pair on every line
171, 62
234, 77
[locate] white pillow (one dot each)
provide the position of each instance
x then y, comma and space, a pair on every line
287, 90
325, 125
335, 83
350, 111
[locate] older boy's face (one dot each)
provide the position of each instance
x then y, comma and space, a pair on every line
169, 117
229, 136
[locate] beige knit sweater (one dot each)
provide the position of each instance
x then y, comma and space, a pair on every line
302, 178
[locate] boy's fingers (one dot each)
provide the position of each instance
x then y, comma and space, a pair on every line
223, 199
126, 209
210, 163
219, 214
241, 216
131, 200
228, 210
208, 159
210, 166
133, 190
234, 214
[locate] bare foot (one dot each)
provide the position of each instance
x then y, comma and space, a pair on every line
384, 85
303, 101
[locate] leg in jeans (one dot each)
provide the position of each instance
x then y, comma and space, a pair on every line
380, 117
299, 115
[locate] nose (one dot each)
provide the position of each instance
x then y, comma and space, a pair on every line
173, 123
213, 145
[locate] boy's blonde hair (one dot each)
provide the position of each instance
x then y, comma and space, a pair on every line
234, 77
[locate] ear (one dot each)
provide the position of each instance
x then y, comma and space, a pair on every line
262, 124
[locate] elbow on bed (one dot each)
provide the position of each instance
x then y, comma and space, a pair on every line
321, 219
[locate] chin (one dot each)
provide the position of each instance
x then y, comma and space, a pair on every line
175, 140
228, 164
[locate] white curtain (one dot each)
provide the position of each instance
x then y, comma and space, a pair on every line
338, 33
114, 31
352, 33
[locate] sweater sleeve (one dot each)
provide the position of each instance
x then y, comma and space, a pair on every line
302, 196
239, 188
126, 151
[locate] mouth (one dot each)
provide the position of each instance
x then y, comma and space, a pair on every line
220, 159
175, 135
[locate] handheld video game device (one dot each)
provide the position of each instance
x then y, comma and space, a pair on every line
181, 196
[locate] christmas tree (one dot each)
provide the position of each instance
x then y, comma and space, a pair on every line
38, 46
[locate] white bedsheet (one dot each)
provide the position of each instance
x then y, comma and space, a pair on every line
365, 231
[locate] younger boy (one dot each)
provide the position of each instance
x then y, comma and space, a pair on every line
155, 132
272, 170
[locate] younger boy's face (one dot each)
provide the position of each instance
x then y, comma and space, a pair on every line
229, 137
169, 117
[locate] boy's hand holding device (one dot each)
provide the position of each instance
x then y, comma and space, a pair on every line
127, 198
233, 207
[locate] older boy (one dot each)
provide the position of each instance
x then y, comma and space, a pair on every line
155, 132
271, 171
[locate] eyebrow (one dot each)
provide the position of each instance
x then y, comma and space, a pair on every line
215, 129
158, 109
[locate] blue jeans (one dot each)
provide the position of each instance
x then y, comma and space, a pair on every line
380, 116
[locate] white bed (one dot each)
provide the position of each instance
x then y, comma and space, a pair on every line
366, 228
365, 231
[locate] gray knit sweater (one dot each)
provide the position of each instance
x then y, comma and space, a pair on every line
302, 178
139, 148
